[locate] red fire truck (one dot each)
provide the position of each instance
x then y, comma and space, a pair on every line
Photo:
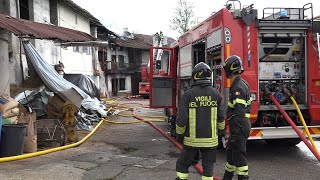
280, 52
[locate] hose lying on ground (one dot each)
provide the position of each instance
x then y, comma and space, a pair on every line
39, 153
197, 166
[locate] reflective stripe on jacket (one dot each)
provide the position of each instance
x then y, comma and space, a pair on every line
239, 104
200, 115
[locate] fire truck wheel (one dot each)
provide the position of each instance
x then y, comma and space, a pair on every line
145, 96
283, 142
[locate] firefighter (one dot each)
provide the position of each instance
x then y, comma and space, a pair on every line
238, 114
199, 119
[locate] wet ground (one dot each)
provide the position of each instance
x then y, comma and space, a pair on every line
139, 152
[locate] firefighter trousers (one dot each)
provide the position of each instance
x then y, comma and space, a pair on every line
236, 149
189, 157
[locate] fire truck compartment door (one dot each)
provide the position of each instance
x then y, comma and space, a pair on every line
214, 38
161, 92
186, 61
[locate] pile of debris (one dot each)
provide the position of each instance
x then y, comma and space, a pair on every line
77, 89
55, 111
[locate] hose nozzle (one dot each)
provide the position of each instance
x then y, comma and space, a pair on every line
287, 91
267, 90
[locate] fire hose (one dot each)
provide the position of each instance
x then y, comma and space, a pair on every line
140, 119
304, 124
295, 128
179, 146
39, 153
150, 122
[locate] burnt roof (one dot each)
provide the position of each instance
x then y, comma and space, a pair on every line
21, 27
138, 41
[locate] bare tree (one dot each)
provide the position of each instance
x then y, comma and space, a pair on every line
182, 17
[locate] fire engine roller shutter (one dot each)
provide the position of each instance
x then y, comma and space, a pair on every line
214, 39
185, 61
161, 92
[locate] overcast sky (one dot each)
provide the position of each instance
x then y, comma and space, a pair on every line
150, 16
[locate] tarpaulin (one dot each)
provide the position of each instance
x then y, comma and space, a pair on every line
55, 82
84, 83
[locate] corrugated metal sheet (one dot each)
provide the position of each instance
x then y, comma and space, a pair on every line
21, 27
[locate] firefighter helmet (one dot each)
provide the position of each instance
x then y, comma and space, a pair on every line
233, 65
201, 72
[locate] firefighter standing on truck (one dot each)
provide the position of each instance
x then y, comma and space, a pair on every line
238, 114
200, 117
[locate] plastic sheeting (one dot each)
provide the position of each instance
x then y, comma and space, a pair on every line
55, 82
84, 83
36, 100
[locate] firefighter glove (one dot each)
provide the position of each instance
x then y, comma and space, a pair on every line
221, 133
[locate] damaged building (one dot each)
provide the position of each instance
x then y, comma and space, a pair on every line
79, 58
48, 43
125, 57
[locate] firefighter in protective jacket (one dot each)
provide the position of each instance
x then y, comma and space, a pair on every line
200, 117
238, 114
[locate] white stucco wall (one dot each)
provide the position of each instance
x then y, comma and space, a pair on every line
74, 62
4, 63
111, 52
145, 57
14, 48
127, 83
47, 48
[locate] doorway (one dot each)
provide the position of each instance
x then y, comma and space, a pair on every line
115, 87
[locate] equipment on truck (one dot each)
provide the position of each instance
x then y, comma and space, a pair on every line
159, 40
280, 54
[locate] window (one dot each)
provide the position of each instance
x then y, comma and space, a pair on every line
121, 59
114, 58
75, 48
24, 9
86, 50
78, 49
122, 83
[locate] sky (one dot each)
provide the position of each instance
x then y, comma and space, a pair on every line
150, 16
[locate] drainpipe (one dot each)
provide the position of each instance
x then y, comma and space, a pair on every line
20, 56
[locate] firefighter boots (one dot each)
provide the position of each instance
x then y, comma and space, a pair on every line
227, 175
243, 177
